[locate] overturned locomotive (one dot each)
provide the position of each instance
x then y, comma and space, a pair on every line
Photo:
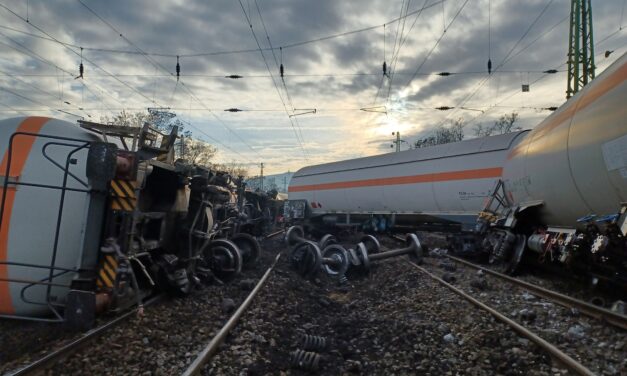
98, 217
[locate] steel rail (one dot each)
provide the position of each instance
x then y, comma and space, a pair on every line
596, 312
39, 365
569, 362
209, 351
612, 318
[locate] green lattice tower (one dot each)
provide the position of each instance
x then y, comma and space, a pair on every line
580, 47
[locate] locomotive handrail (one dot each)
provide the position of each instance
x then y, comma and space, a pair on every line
45, 154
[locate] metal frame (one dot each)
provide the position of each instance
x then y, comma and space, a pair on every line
54, 271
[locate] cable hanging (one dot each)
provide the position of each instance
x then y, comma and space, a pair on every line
81, 68
489, 36
178, 69
281, 69
385, 66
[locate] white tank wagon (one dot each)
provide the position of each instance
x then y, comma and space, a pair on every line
31, 214
441, 185
559, 190
565, 185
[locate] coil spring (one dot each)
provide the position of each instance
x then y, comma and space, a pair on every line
342, 280
314, 343
306, 360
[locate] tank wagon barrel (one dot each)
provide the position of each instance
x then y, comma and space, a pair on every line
557, 193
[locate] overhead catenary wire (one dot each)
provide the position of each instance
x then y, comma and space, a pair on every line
159, 66
216, 53
36, 56
282, 74
435, 45
76, 53
249, 22
505, 60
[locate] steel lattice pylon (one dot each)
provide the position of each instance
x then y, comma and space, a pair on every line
580, 47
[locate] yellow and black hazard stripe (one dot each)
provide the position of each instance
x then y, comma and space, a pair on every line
107, 272
123, 195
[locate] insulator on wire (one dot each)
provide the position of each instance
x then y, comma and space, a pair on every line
444, 108
550, 71
444, 74
385, 69
281, 70
489, 66
233, 76
552, 108
178, 69
81, 68
233, 110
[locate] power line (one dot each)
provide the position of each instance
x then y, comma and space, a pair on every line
77, 54
435, 45
211, 53
38, 57
270, 72
276, 63
505, 59
159, 66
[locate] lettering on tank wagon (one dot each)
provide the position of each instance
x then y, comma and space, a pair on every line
465, 196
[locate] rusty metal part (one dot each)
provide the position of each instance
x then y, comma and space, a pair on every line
313, 343
306, 360
273, 234
44, 363
612, 318
212, 347
569, 362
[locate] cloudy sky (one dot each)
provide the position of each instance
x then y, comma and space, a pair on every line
332, 53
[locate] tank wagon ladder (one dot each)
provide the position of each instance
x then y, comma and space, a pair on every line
12, 182
497, 205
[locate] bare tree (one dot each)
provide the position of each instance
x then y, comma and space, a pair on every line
234, 168
505, 124
198, 152
443, 135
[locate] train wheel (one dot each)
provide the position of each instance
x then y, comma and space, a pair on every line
249, 247
306, 259
519, 250
340, 263
224, 258
326, 240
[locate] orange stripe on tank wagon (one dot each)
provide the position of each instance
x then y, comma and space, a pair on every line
22, 146
482, 173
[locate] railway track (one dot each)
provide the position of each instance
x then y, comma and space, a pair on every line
590, 310
550, 348
212, 347
81, 342
600, 313
76, 345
